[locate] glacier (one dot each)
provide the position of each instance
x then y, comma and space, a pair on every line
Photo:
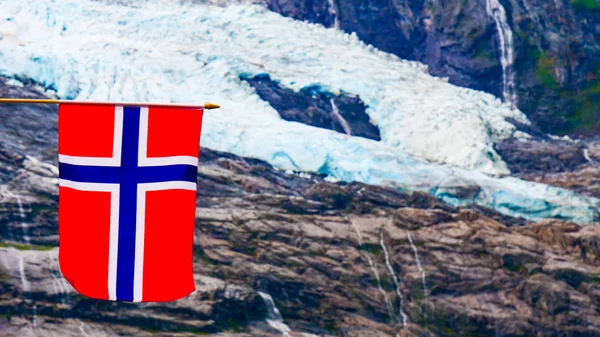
436, 137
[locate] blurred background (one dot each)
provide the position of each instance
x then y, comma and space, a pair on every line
377, 168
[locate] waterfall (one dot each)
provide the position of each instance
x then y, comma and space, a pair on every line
81, 328
394, 277
336, 114
34, 315
505, 35
376, 273
414, 248
24, 282
9, 234
58, 282
274, 318
23, 225
333, 11
26, 286
587, 157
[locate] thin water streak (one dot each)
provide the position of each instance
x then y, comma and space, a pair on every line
85, 333
340, 118
24, 283
10, 235
418, 261
23, 225
587, 157
26, 286
376, 273
333, 11
34, 315
58, 282
395, 278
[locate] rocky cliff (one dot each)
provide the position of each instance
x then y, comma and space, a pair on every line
539, 55
289, 254
573, 165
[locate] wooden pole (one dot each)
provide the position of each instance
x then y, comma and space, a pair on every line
207, 106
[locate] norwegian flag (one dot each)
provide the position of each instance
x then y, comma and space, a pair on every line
127, 200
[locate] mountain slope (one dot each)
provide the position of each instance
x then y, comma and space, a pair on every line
335, 259
540, 55
109, 52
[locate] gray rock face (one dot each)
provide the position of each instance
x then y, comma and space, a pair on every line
555, 47
542, 156
313, 106
278, 254
28, 128
556, 162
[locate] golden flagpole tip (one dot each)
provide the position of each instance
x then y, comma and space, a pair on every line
211, 106
206, 106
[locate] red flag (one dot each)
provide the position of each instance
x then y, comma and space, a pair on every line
127, 200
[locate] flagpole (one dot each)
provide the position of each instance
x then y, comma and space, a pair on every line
207, 106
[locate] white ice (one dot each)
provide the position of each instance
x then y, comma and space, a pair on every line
162, 50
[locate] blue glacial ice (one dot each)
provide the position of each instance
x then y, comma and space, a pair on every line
436, 137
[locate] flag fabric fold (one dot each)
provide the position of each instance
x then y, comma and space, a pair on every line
127, 200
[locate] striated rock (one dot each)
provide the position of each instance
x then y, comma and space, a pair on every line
585, 180
340, 271
541, 292
34, 289
573, 165
543, 156
413, 218
290, 254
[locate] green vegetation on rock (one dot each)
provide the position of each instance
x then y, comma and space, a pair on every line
587, 102
585, 4
545, 70
25, 246
584, 102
